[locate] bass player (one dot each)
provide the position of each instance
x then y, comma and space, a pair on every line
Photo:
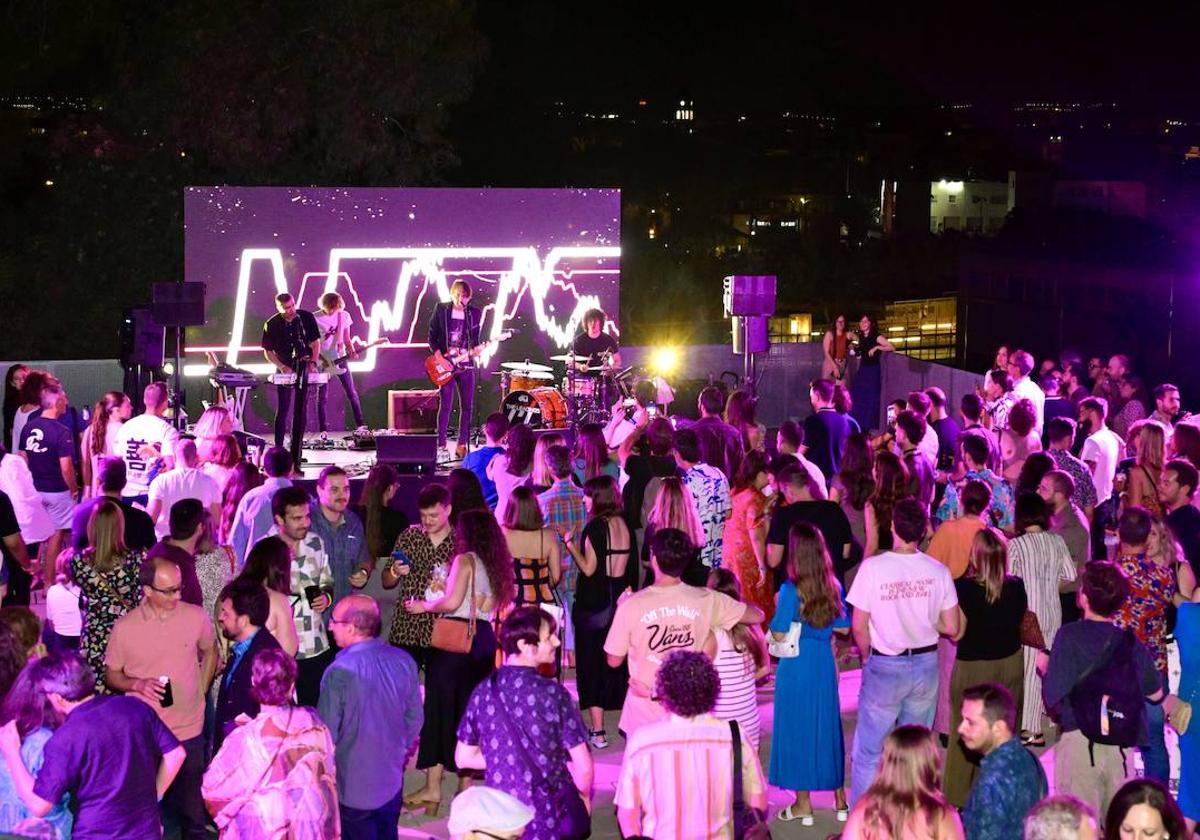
454, 338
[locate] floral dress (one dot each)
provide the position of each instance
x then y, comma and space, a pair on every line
1151, 588
104, 597
749, 509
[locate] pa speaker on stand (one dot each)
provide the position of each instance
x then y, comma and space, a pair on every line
178, 305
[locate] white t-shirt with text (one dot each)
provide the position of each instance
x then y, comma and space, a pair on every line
143, 430
905, 594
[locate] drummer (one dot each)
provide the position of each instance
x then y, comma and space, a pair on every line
596, 349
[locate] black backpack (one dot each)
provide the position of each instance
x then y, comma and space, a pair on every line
1107, 701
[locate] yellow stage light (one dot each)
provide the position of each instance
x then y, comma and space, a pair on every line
664, 360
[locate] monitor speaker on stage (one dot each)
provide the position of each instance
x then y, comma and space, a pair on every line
178, 304
407, 453
141, 339
750, 294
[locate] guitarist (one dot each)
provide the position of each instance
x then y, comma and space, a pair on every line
454, 337
335, 322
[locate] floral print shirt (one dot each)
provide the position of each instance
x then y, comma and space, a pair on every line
517, 702
710, 489
104, 597
1151, 588
1003, 506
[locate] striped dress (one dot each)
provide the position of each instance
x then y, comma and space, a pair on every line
1041, 559
738, 698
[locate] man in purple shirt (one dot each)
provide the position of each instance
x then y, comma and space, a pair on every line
720, 443
187, 527
112, 755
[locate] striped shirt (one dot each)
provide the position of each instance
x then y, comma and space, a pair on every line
738, 698
678, 775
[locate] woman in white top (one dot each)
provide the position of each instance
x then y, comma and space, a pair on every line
64, 620
513, 466
100, 437
482, 566
740, 656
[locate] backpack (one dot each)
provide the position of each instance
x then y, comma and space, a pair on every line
1107, 701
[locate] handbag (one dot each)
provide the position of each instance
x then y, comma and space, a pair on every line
574, 821
789, 646
1031, 631
453, 635
749, 823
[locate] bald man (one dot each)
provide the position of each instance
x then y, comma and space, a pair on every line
371, 702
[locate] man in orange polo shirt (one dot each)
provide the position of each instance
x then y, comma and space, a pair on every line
165, 637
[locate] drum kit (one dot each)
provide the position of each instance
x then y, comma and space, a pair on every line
530, 393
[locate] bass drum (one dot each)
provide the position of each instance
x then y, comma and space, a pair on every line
541, 408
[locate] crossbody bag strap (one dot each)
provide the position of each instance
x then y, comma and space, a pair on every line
736, 733
473, 609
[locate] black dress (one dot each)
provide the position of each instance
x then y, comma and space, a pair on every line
598, 684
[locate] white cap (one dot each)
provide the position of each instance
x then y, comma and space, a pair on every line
487, 809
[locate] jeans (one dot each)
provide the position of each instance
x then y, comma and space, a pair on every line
896, 690
464, 381
352, 395
1155, 760
377, 824
183, 805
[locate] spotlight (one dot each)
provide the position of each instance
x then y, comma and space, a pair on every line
168, 368
664, 360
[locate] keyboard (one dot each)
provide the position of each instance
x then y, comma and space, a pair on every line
231, 377
290, 378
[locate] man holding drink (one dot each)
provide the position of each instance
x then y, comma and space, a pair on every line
312, 588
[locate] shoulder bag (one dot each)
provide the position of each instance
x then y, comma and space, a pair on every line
574, 821
454, 635
789, 646
749, 823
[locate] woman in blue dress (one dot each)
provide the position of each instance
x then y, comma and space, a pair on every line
1187, 637
807, 748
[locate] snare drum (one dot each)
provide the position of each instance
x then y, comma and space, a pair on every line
529, 381
541, 408
585, 386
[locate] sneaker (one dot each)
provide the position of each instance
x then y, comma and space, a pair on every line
443, 456
597, 739
361, 430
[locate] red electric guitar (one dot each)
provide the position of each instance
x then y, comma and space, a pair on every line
442, 370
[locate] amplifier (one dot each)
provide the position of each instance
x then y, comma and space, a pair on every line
413, 411
407, 453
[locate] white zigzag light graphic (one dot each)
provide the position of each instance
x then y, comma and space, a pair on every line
527, 274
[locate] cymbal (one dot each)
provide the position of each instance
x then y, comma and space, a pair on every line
526, 367
568, 357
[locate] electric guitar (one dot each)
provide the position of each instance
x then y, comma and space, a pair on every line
324, 363
442, 370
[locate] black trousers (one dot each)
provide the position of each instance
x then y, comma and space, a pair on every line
308, 677
184, 804
464, 383
1100, 521
19, 584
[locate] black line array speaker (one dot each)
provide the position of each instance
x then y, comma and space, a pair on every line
141, 339
178, 304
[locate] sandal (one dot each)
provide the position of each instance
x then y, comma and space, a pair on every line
429, 806
787, 815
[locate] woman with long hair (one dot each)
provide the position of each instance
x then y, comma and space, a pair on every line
513, 466
224, 454
1143, 809
604, 556
991, 604
29, 705
674, 507
244, 478
593, 458
481, 584
741, 660
744, 541
382, 523
854, 485
107, 574
1041, 559
269, 562
1036, 467
905, 799
215, 565
13, 380
28, 400
1185, 443
1019, 439
215, 422
871, 345
466, 493
741, 412
540, 477
891, 485
275, 776
835, 350
534, 549
1149, 456
807, 748
100, 437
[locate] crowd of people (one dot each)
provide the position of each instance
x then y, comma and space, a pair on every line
1011, 572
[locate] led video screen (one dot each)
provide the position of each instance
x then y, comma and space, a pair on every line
536, 260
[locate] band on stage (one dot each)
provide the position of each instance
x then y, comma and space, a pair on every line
308, 349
